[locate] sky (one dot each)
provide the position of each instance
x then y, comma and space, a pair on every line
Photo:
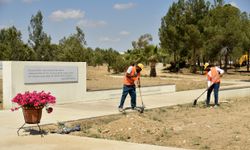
106, 23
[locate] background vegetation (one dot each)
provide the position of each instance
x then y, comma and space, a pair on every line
192, 32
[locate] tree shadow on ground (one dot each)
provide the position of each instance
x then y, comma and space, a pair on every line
245, 80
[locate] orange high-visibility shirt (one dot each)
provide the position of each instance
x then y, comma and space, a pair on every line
213, 75
133, 73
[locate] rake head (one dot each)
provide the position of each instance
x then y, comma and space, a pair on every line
195, 102
142, 109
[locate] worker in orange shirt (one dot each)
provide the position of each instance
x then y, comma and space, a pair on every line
132, 75
213, 82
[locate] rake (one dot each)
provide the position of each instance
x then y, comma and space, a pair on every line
142, 104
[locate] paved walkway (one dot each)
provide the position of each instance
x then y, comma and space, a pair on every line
10, 121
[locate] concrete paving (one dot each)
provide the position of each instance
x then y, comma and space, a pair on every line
67, 142
10, 121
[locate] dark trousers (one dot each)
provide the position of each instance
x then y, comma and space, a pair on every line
214, 87
132, 92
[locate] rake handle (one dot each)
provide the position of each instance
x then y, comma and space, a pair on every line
140, 95
195, 101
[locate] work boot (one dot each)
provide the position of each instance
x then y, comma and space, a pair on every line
216, 105
120, 109
133, 107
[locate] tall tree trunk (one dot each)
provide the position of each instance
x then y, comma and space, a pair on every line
203, 60
199, 65
198, 61
109, 68
164, 61
174, 57
193, 67
230, 60
153, 69
226, 63
220, 62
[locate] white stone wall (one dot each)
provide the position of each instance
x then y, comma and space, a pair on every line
13, 82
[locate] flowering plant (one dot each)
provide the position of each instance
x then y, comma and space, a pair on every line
34, 99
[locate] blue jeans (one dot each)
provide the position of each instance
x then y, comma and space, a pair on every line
214, 87
131, 91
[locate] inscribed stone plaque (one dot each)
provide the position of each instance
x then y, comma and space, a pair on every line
50, 74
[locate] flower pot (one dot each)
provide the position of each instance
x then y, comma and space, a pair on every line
32, 115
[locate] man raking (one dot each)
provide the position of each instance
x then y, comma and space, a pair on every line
213, 82
132, 75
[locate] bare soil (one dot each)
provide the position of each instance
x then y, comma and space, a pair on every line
224, 127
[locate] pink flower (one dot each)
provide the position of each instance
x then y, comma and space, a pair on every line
49, 110
15, 108
34, 99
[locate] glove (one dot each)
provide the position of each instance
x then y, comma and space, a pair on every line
139, 85
134, 76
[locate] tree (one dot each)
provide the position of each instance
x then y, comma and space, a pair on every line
163, 56
235, 55
143, 41
89, 56
218, 3
120, 64
144, 52
153, 59
12, 47
194, 42
192, 30
109, 57
38, 39
246, 35
80, 36
223, 28
181, 31
72, 48
55, 49
141, 51
98, 57
195, 11
172, 30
